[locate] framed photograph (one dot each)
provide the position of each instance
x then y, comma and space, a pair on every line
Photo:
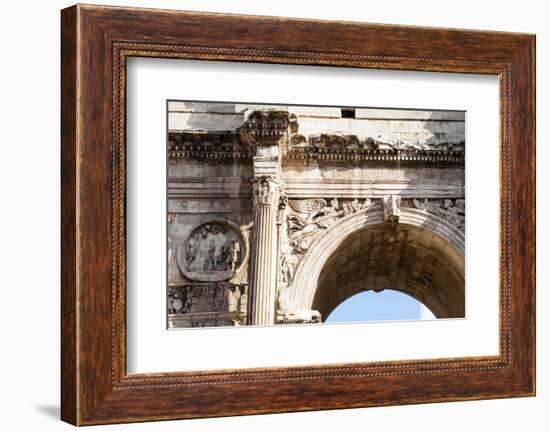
264, 215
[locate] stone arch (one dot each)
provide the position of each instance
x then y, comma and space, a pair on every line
344, 245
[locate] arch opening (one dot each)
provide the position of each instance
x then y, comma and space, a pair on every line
402, 257
388, 305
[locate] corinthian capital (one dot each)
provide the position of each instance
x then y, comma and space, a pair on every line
266, 191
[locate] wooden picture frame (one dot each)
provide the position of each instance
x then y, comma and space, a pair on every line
95, 43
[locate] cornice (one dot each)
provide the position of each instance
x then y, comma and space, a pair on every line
267, 128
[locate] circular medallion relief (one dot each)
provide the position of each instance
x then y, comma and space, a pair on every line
213, 251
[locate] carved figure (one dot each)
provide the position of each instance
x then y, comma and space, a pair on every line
366, 203
219, 261
281, 209
328, 213
454, 213
421, 205
234, 255
175, 304
392, 206
218, 297
288, 262
355, 205
192, 247
234, 299
188, 302
310, 215
209, 264
212, 248
334, 205
308, 208
351, 207
308, 211
179, 301
451, 212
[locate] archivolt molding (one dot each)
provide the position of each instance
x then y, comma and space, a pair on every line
307, 273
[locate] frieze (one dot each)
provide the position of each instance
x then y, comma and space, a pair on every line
206, 297
298, 316
337, 141
334, 141
279, 127
451, 210
206, 320
307, 218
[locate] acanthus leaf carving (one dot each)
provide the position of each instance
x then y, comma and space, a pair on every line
266, 191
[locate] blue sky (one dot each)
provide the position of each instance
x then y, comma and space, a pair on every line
385, 305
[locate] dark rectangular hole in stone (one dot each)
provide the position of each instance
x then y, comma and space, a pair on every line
348, 112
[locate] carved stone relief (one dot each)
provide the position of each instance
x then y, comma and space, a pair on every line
451, 210
266, 127
302, 222
322, 208
392, 207
298, 316
203, 298
207, 305
309, 216
212, 252
179, 301
334, 140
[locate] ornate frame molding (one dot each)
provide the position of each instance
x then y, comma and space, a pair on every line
96, 41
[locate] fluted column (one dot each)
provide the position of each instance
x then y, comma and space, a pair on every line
263, 274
